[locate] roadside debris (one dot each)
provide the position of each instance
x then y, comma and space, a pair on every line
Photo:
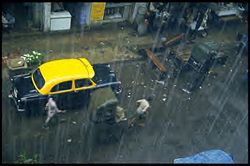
185, 90
102, 43
4, 59
174, 40
120, 114
16, 64
160, 82
163, 39
154, 59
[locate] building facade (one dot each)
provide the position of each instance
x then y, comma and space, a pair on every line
56, 16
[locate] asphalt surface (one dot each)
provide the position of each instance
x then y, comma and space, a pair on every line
178, 124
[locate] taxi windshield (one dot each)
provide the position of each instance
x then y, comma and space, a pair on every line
38, 79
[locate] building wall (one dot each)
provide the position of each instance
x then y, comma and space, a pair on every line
37, 11
113, 11
82, 13
46, 16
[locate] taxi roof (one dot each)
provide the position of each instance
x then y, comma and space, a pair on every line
65, 69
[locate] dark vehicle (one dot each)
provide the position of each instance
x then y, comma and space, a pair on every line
203, 57
69, 81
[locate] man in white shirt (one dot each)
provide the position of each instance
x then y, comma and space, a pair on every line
142, 108
52, 109
141, 111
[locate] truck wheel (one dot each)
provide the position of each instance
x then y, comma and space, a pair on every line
117, 90
32, 109
28, 111
162, 76
198, 83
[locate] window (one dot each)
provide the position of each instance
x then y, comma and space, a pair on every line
82, 83
62, 86
38, 79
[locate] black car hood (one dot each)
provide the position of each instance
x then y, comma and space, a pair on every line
24, 86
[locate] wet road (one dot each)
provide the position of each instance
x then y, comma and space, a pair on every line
176, 126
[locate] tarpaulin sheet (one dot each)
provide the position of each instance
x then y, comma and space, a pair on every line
210, 156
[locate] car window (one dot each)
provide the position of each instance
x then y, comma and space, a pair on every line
62, 86
38, 79
82, 83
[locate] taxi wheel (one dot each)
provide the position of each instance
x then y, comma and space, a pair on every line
28, 110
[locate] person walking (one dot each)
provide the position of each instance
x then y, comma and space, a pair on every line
51, 109
201, 14
141, 111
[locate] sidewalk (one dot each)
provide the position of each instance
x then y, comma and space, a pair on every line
105, 44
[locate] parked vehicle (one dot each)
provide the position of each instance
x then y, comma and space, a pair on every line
203, 57
69, 81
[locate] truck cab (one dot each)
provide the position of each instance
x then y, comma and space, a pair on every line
203, 56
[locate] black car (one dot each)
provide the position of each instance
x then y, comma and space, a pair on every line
27, 98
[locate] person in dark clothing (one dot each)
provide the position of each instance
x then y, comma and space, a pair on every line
202, 8
150, 16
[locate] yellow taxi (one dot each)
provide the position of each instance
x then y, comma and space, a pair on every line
69, 80
65, 75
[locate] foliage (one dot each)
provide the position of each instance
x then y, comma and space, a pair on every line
22, 159
33, 57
